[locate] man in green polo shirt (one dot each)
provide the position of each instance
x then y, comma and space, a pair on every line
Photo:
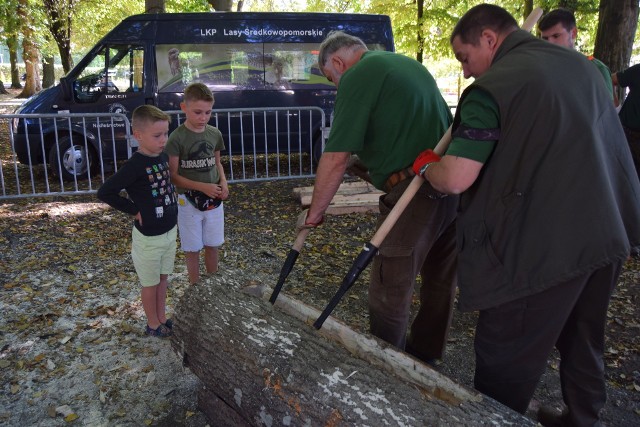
388, 109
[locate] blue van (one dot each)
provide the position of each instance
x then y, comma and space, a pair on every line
248, 60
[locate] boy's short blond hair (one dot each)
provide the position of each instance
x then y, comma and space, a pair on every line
147, 114
198, 92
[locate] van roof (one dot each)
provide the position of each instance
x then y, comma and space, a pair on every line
255, 15
250, 27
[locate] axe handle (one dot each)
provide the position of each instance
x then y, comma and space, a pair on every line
300, 238
532, 19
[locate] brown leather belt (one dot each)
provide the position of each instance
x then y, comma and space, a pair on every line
397, 177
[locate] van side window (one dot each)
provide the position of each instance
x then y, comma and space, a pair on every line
114, 69
222, 67
290, 65
240, 66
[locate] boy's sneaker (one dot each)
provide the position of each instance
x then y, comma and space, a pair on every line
161, 331
169, 323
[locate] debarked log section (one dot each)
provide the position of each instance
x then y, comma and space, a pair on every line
264, 365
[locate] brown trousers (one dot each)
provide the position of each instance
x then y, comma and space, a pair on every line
423, 241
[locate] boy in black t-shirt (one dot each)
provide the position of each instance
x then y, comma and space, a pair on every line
153, 203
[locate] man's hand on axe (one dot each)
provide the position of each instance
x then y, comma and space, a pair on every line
303, 222
329, 174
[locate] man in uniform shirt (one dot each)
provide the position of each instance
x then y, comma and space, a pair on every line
559, 27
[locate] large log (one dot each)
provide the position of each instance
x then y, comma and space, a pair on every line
266, 365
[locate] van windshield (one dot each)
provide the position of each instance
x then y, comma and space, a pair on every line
115, 68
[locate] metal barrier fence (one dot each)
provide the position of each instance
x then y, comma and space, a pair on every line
59, 154
73, 154
269, 143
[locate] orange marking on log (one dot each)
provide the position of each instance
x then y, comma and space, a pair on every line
274, 382
334, 419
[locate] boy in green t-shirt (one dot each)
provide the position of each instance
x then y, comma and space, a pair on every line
194, 162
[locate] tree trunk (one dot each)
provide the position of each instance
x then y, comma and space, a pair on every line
30, 56
12, 44
262, 365
59, 24
420, 32
617, 26
48, 72
3, 91
29, 53
528, 7
154, 6
63, 41
221, 5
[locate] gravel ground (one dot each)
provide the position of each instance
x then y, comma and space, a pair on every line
72, 349
71, 342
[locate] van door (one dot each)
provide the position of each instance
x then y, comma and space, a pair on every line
112, 82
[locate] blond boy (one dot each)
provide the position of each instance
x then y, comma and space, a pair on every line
152, 201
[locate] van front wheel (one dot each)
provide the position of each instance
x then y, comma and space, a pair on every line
71, 161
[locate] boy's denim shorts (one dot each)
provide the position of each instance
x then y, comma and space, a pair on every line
153, 255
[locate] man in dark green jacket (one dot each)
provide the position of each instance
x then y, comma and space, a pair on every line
549, 211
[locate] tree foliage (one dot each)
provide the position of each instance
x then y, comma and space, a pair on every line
92, 20
10, 35
425, 37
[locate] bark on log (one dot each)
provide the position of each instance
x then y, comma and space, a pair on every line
266, 365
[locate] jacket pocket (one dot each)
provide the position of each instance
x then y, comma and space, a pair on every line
480, 271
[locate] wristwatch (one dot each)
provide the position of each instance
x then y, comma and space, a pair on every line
423, 169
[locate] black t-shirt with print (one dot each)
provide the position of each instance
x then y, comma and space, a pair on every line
150, 192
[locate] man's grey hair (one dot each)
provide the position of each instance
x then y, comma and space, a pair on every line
335, 41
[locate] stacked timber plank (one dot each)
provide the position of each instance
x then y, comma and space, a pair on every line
351, 197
